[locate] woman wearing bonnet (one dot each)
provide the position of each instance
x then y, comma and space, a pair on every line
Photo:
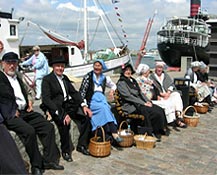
135, 102
149, 89
166, 91
92, 91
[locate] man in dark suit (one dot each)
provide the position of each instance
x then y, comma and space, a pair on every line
63, 101
8, 148
27, 123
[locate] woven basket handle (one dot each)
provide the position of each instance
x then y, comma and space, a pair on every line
103, 133
189, 108
123, 122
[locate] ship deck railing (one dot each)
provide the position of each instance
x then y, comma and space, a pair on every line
183, 40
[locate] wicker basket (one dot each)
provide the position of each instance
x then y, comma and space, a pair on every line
191, 120
201, 108
144, 141
127, 137
99, 149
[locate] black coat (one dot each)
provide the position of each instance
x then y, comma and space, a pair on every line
8, 104
53, 97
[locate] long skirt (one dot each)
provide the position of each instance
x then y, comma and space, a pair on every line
101, 111
168, 107
11, 160
155, 117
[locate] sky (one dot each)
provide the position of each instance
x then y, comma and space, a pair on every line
66, 18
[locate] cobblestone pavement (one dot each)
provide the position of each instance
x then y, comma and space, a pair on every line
192, 151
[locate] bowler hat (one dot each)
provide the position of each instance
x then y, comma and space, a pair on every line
10, 56
57, 60
126, 66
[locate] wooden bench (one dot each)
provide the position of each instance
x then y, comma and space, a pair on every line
121, 113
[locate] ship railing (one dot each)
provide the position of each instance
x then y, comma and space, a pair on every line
199, 28
201, 42
194, 29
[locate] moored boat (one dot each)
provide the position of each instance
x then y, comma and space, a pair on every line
184, 36
79, 59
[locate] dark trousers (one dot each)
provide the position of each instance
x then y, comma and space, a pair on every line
65, 138
26, 126
11, 161
84, 127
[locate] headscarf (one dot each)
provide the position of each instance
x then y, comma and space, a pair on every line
101, 76
159, 64
142, 68
202, 65
195, 64
104, 67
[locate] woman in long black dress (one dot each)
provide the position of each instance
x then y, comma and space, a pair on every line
135, 102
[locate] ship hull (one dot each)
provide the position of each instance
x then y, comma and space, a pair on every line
171, 53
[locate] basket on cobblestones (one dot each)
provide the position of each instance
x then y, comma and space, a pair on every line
191, 120
98, 146
126, 135
144, 141
201, 108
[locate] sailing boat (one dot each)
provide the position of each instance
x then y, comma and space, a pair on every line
79, 59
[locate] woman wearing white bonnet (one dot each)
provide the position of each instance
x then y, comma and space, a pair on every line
142, 68
167, 94
144, 82
195, 64
202, 90
159, 64
146, 85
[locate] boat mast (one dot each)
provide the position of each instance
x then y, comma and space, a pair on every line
85, 30
101, 16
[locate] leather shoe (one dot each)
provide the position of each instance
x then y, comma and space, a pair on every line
53, 165
83, 150
157, 136
36, 171
67, 157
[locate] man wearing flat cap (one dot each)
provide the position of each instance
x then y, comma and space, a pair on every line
62, 101
26, 123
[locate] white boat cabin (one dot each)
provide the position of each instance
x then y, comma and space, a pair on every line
9, 39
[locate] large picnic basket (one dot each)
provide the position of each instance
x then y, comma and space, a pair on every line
97, 147
144, 141
126, 135
201, 108
191, 120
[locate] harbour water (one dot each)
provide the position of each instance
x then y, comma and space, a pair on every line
149, 60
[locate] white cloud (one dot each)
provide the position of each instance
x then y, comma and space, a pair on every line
72, 7
68, 5
176, 1
64, 17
